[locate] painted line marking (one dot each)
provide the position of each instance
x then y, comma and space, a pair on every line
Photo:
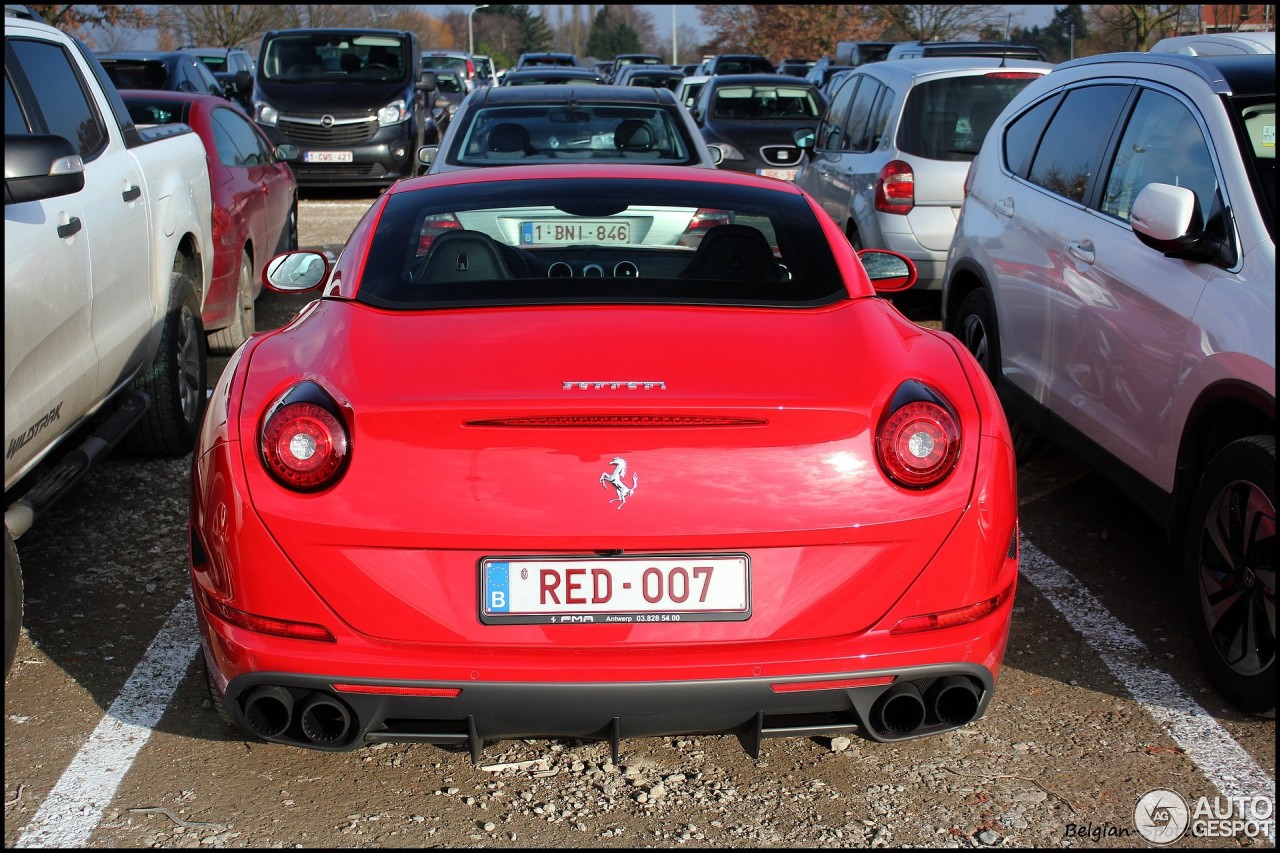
1225, 763
75, 805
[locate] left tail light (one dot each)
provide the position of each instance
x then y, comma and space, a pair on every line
896, 188
918, 440
304, 439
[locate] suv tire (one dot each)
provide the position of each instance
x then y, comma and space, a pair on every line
975, 326
1230, 572
177, 377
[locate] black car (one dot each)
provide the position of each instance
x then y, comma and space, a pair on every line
591, 125
354, 101
450, 91
548, 58
546, 75
664, 77
233, 68
173, 71
751, 118
736, 63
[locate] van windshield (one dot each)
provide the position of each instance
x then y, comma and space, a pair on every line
335, 57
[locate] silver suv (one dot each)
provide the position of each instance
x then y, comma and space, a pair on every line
1114, 270
889, 157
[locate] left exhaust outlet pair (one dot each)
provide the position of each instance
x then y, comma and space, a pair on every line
271, 711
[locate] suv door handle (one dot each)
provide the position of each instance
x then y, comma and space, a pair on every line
1081, 250
1004, 206
132, 193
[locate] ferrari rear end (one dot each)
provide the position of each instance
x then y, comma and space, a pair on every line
601, 506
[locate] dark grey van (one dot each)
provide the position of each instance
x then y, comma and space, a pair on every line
352, 100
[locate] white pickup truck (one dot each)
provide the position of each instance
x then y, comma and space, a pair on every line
108, 256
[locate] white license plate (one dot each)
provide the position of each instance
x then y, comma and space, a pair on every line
694, 588
783, 174
569, 232
328, 157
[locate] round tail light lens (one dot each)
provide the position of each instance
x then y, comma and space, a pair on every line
304, 445
918, 444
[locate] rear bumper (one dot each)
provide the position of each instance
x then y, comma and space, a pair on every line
334, 714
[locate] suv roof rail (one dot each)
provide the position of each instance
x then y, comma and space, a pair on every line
17, 10
1200, 65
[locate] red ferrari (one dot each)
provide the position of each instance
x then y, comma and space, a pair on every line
538, 463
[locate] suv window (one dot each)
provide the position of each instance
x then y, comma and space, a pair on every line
1067, 159
1162, 144
65, 108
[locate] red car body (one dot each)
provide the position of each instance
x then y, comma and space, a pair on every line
484, 437
255, 203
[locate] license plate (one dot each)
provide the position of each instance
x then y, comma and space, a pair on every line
694, 588
568, 232
783, 174
328, 157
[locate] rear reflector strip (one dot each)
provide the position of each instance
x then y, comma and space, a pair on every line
573, 421
834, 684
392, 690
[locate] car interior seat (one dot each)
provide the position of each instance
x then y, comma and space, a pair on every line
509, 141
635, 139
462, 256
733, 252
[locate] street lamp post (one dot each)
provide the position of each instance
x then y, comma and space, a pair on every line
471, 30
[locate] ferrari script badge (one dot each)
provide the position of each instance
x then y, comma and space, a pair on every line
616, 478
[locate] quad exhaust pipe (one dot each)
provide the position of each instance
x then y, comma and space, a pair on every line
271, 713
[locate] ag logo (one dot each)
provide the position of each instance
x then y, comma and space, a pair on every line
1161, 816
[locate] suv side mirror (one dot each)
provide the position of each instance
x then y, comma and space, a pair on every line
1162, 219
427, 81
40, 166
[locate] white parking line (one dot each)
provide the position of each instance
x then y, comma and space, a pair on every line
74, 808
1226, 764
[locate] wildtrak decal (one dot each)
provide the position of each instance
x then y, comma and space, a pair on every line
35, 429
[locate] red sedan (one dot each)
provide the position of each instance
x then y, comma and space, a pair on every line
255, 202
535, 463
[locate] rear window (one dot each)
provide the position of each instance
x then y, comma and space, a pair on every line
457, 64
598, 240
764, 102
129, 74
543, 133
947, 119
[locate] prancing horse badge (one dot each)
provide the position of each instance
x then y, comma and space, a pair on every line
617, 479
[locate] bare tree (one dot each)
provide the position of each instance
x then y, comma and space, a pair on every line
1129, 26
943, 22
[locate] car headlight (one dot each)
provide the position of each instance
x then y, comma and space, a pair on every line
393, 113
266, 114
730, 152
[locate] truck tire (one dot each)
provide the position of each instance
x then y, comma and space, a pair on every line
12, 602
226, 341
177, 378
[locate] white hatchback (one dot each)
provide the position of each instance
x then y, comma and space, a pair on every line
888, 159
1114, 270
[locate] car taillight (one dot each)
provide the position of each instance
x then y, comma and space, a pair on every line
895, 188
433, 226
703, 218
918, 440
223, 225
304, 442
1014, 75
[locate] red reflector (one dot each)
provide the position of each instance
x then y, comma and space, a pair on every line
264, 624
834, 684
951, 618
616, 421
386, 690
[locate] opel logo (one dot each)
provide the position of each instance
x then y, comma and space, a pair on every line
326, 121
